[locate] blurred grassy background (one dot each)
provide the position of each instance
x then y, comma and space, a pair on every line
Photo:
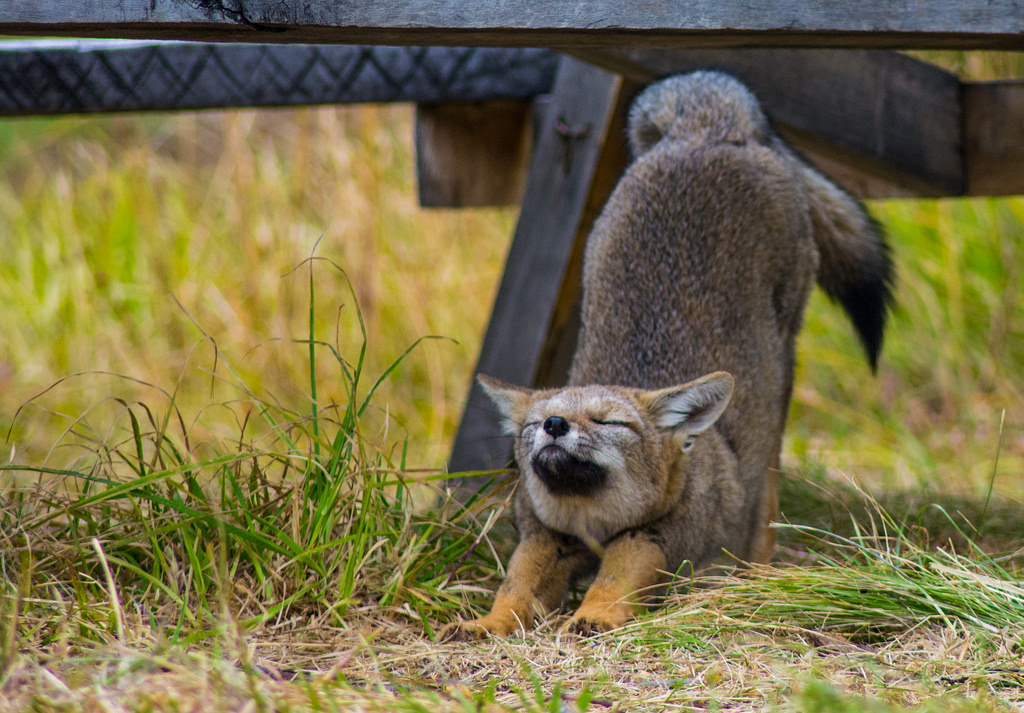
132, 244
108, 224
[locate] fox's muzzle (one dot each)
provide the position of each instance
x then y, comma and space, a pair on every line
564, 474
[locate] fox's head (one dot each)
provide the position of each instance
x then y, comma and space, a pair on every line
598, 459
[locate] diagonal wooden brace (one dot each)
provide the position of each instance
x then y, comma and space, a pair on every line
580, 153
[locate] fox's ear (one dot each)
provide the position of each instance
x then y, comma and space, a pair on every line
690, 409
511, 400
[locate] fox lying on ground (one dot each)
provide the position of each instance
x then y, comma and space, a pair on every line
664, 448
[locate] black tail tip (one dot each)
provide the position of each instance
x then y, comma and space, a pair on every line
868, 302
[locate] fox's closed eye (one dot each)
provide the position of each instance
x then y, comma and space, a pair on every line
601, 422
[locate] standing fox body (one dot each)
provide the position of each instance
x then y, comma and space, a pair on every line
665, 446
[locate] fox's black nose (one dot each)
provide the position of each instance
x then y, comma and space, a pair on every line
556, 426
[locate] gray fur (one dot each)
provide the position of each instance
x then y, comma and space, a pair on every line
703, 259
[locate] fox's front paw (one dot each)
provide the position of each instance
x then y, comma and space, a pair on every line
463, 631
588, 626
480, 629
590, 620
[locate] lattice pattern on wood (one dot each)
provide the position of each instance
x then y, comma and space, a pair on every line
63, 77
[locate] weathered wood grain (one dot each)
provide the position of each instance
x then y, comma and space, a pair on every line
62, 77
892, 122
963, 24
994, 129
572, 171
473, 153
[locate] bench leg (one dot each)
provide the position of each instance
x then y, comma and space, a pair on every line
581, 152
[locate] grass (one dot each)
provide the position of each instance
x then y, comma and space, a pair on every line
139, 243
954, 352
227, 416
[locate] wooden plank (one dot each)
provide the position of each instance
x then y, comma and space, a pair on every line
891, 122
473, 154
994, 129
560, 345
850, 176
959, 24
578, 158
62, 77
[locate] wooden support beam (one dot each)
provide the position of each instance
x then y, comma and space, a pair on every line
923, 24
882, 123
580, 154
473, 154
994, 130
65, 77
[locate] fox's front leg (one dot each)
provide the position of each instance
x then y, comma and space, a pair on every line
537, 579
632, 566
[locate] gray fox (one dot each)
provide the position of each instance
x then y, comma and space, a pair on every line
664, 447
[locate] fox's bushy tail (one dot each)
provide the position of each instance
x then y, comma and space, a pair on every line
855, 267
